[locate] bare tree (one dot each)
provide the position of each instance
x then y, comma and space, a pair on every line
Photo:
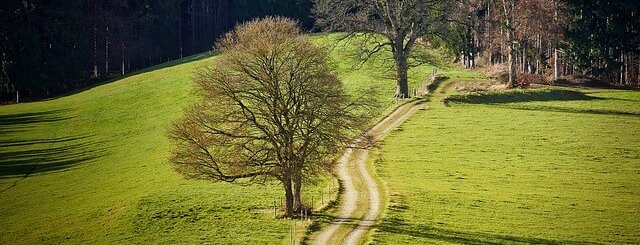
271, 109
401, 22
507, 9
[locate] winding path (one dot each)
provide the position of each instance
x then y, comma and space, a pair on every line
358, 156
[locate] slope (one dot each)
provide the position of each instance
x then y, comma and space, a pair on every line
93, 167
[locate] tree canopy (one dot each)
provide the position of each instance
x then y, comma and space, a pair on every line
271, 109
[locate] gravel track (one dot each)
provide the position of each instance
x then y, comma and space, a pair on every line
372, 192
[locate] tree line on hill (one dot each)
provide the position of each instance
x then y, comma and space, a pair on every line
51, 47
54, 46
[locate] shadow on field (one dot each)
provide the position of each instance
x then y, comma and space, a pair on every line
398, 226
19, 122
496, 98
579, 111
23, 158
436, 83
520, 96
11, 143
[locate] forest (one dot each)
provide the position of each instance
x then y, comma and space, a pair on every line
49, 48
52, 47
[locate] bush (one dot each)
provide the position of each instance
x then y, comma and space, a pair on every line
525, 79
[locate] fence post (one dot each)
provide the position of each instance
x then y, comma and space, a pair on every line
293, 232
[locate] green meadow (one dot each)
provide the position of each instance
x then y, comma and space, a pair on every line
546, 166
92, 167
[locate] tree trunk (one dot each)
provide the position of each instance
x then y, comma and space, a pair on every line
193, 27
124, 48
95, 53
524, 57
297, 190
106, 54
512, 58
626, 69
179, 28
556, 64
402, 66
508, 7
288, 197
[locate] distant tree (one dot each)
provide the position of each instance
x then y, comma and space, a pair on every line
401, 22
507, 21
463, 34
527, 32
271, 108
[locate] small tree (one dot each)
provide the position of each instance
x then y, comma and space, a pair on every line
271, 109
401, 22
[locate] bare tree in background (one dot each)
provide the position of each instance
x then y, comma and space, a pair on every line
507, 9
271, 109
401, 22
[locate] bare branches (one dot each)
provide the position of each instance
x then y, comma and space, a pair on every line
272, 108
401, 22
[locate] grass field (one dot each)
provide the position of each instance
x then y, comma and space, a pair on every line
379, 69
92, 167
545, 166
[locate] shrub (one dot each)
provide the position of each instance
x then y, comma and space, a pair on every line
525, 79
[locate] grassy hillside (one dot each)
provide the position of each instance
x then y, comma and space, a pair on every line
93, 167
546, 166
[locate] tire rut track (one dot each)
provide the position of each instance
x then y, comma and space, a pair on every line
350, 195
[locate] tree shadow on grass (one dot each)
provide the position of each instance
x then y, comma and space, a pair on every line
22, 121
520, 96
436, 83
14, 143
398, 226
499, 98
20, 159
43, 160
577, 110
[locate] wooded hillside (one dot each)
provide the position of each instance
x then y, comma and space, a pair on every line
51, 47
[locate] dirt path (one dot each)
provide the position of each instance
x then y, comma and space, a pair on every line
350, 194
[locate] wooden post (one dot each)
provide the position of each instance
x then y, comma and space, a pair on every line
293, 232
17, 97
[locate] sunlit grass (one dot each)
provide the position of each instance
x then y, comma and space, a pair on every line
93, 167
554, 165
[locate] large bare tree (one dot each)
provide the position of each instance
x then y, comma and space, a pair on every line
401, 22
271, 109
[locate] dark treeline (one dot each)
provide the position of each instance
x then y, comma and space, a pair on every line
48, 47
